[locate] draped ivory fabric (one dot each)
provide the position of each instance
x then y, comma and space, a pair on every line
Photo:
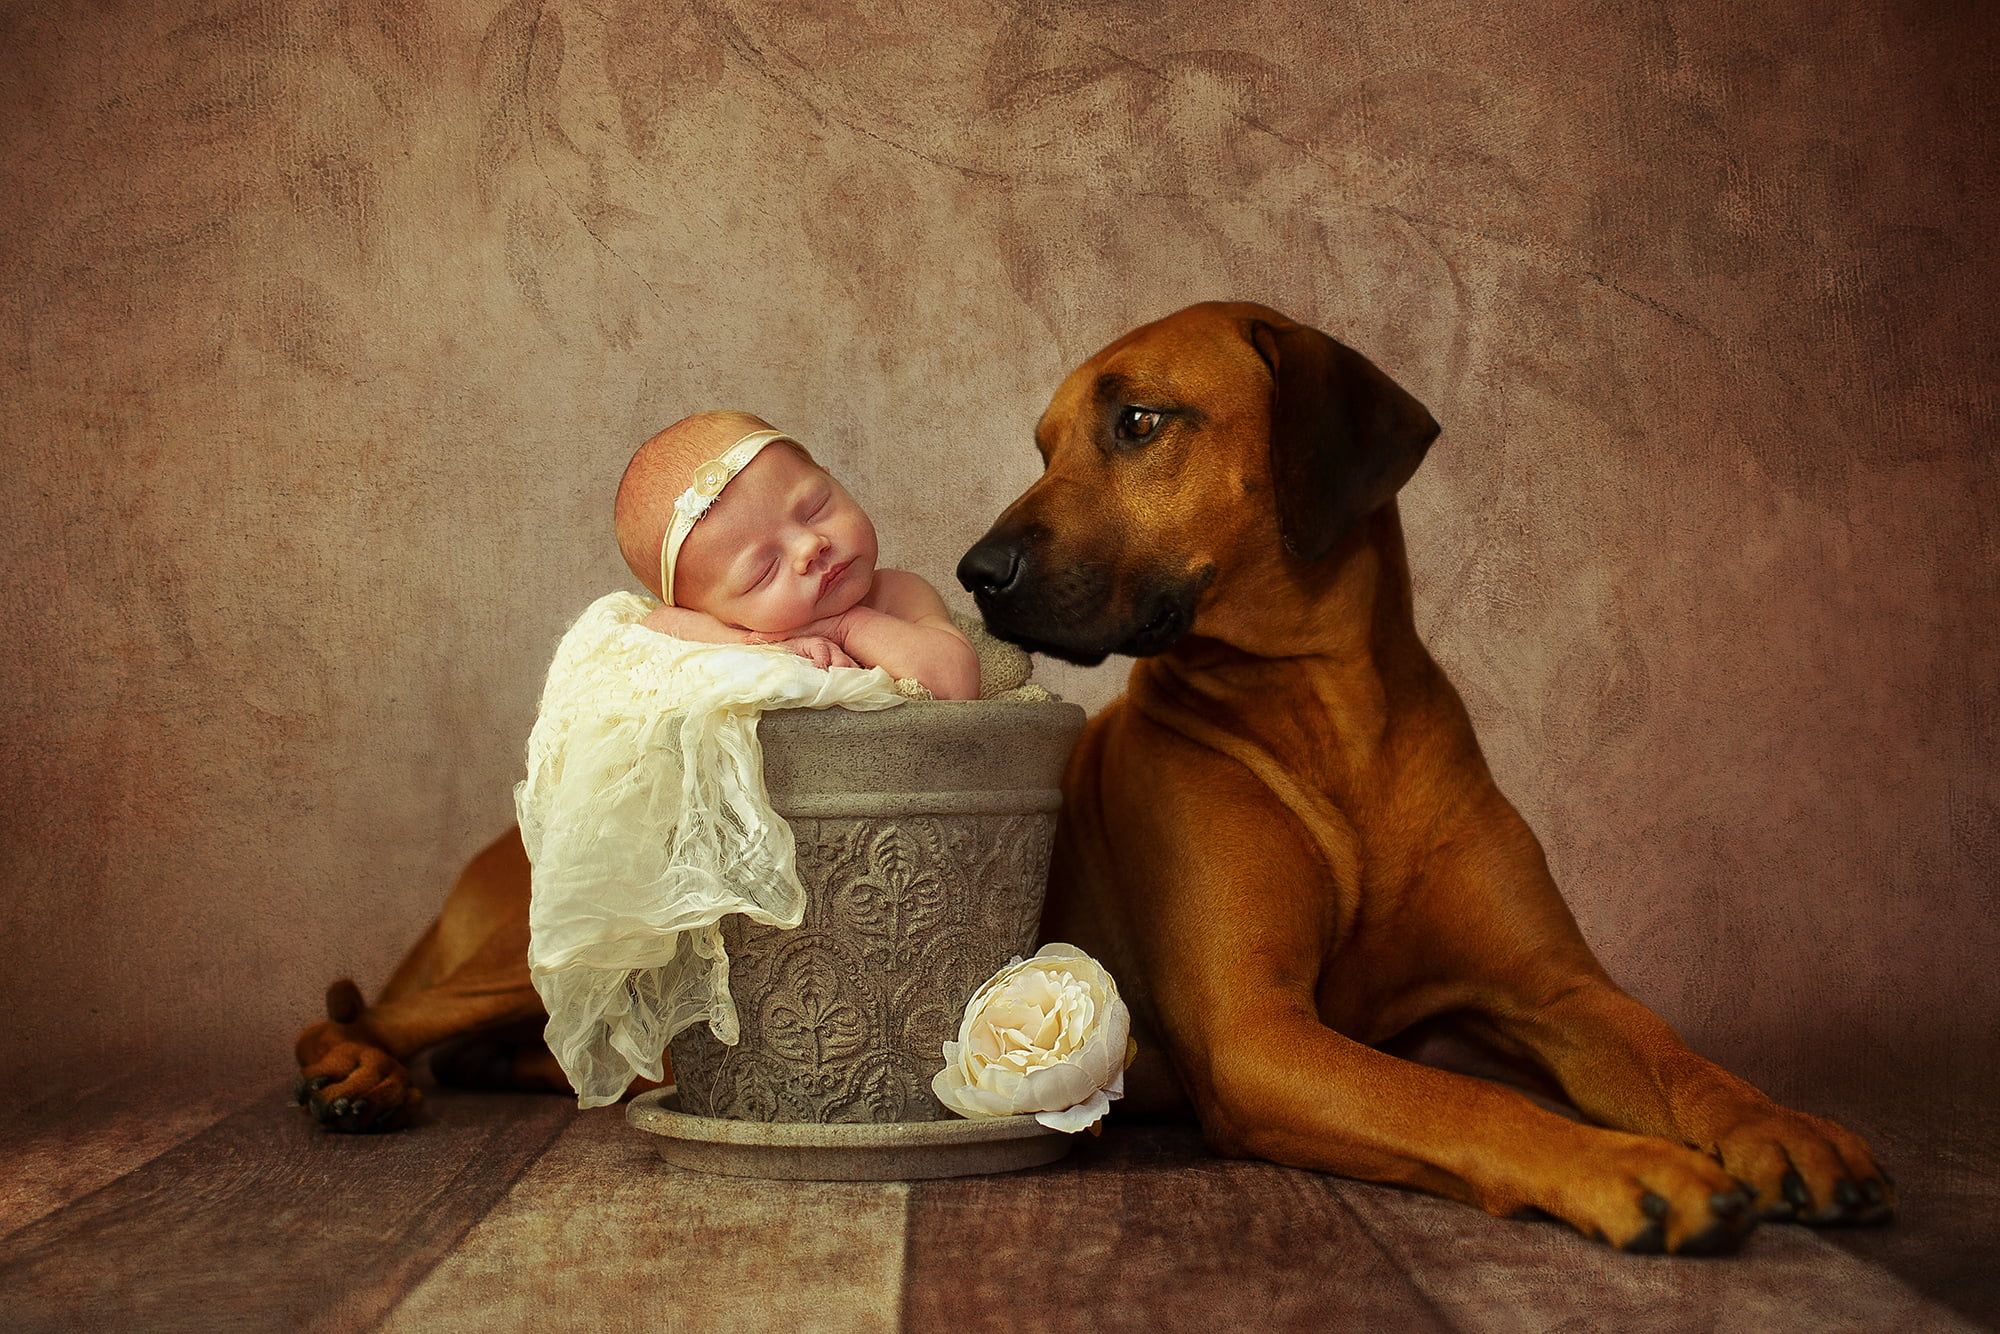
646, 820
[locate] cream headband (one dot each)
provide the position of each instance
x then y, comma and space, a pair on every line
709, 479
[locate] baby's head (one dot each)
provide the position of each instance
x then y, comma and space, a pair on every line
759, 555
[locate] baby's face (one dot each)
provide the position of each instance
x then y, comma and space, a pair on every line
762, 556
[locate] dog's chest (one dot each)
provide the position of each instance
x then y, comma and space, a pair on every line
1367, 776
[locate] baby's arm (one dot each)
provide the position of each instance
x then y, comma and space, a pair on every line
903, 627
702, 628
697, 627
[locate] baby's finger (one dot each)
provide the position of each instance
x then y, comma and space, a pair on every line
840, 659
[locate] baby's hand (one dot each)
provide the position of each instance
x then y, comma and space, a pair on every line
823, 651
832, 628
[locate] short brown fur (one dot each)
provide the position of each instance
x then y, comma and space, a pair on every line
1285, 842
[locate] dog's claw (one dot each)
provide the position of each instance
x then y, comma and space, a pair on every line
1864, 1203
1718, 1238
1649, 1240
1794, 1187
1652, 1205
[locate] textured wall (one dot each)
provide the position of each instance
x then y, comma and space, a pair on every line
327, 333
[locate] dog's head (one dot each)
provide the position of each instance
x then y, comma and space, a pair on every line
1190, 467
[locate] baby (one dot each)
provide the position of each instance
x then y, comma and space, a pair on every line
745, 540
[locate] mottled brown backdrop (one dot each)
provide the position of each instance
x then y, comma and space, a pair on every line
328, 329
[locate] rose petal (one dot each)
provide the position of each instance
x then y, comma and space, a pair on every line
1080, 1117
1050, 1032
984, 1102
949, 1090
1055, 1087
1095, 1057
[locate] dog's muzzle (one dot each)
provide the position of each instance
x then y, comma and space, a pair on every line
1069, 613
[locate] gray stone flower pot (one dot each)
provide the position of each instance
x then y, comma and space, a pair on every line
923, 836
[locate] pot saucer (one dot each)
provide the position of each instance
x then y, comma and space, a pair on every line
810, 1151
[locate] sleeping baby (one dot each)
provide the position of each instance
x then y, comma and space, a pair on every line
745, 540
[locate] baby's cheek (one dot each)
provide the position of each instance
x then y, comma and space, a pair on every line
744, 613
861, 536
780, 614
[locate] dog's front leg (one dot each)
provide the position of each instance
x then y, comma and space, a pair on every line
1230, 926
1280, 1085
1623, 1066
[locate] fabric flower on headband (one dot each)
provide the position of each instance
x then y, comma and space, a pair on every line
691, 504
711, 477
1046, 1035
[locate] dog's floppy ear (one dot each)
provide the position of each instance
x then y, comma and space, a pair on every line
1344, 436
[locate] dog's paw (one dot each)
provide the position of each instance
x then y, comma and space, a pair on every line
1651, 1197
1805, 1168
356, 1088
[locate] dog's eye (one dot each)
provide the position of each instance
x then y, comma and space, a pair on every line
1137, 423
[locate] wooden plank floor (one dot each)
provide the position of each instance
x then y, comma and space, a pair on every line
160, 1205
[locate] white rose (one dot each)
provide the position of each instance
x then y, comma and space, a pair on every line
1047, 1035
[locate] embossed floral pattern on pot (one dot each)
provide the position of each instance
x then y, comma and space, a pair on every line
907, 911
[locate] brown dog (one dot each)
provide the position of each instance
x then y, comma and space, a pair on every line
1283, 840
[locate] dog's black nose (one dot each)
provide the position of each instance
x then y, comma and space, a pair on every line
989, 568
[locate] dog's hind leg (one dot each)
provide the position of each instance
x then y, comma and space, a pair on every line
464, 985
467, 973
513, 1058
353, 1069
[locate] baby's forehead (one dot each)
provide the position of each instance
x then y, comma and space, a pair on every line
750, 499
783, 474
